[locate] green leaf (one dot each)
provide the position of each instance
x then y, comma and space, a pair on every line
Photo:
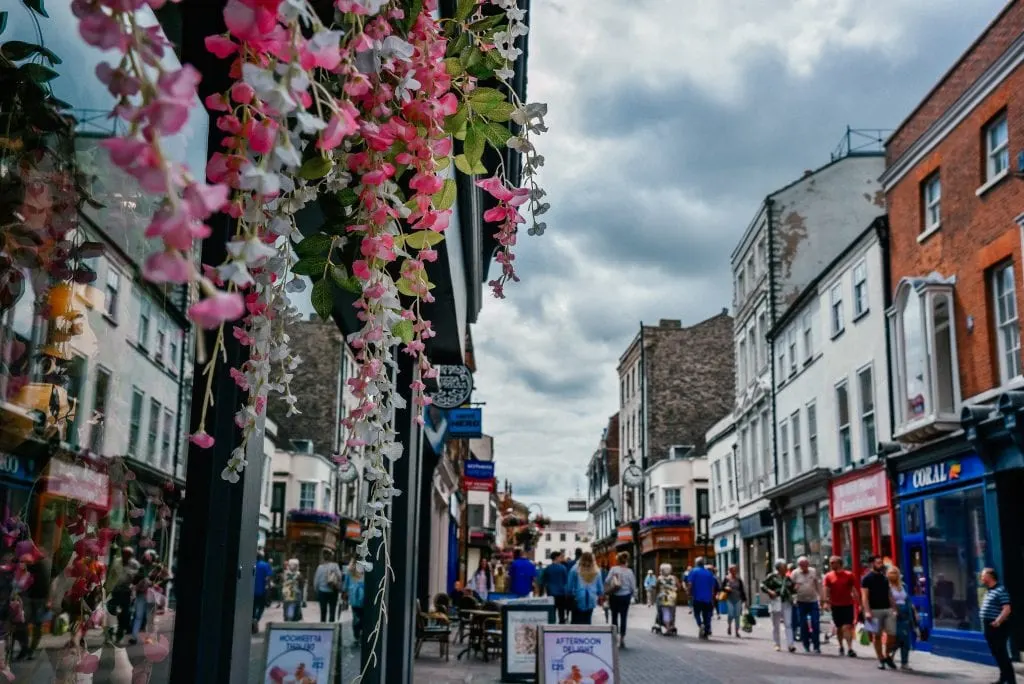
458, 45
445, 197
310, 266
484, 98
37, 7
495, 133
453, 66
17, 50
413, 13
38, 73
456, 123
443, 163
321, 299
314, 245
464, 9
3, 21
403, 286
346, 282
471, 58
423, 239
315, 168
486, 23
347, 197
501, 112
403, 330
463, 165
473, 148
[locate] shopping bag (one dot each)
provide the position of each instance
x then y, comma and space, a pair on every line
775, 605
863, 636
747, 622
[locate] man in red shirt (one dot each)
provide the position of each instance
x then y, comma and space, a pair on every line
842, 595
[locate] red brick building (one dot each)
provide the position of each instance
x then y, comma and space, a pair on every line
955, 196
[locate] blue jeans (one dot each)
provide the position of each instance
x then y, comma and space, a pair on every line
809, 636
733, 611
141, 612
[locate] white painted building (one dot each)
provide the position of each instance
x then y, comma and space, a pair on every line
725, 525
305, 478
565, 536
832, 392
678, 485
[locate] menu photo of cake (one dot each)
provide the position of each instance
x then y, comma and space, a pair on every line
578, 675
299, 674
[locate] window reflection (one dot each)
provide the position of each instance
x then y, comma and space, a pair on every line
957, 552
95, 376
915, 359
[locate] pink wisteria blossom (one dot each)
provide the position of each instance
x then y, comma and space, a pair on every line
202, 440
220, 307
167, 267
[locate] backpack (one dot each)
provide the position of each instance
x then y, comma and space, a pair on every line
334, 578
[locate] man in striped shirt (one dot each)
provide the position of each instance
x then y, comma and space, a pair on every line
994, 612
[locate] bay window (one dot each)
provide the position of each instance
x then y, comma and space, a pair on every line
926, 385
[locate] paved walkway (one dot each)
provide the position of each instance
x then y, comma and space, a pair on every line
652, 659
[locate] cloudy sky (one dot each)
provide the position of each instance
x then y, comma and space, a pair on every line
670, 120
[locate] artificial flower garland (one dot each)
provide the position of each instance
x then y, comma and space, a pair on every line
362, 110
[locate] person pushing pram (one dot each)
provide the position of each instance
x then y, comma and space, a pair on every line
667, 594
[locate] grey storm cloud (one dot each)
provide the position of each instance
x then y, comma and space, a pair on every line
669, 124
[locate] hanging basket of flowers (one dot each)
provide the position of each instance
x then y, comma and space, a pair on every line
541, 520
513, 520
527, 536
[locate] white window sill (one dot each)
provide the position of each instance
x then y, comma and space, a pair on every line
928, 233
994, 181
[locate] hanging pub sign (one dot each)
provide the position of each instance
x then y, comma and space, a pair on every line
454, 386
568, 654
303, 653
577, 506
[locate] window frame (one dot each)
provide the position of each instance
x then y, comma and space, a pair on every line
156, 408
784, 449
145, 320
791, 351
97, 431
312, 498
931, 206
795, 437
807, 323
1011, 325
860, 289
166, 435
678, 492
811, 409
135, 422
836, 322
845, 454
111, 303
867, 413
997, 152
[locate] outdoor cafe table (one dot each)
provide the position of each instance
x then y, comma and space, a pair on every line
476, 629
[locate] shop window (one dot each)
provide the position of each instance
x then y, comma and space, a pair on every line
885, 536
912, 518
917, 581
926, 386
846, 543
957, 553
795, 541
865, 541
825, 530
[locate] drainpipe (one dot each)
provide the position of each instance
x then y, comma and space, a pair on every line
882, 230
770, 226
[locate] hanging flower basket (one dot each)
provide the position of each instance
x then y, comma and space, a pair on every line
541, 520
527, 536
513, 521
310, 516
666, 521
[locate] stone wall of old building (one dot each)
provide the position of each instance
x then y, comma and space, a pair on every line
320, 344
690, 382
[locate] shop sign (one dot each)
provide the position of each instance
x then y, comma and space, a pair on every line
625, 535
302, 652
860, 495
757, 524
950, 471
577, 653
353, 530
478, 470
73, 481
519, 623
465, 423
577, 506
473, 484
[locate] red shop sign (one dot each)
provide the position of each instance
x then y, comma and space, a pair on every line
475, 484
864, 494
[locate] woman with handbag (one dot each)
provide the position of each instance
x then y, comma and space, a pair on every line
620, 587
735, 596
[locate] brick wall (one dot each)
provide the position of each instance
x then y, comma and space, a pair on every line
976, 232
315, 384
690, 375
986, 50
